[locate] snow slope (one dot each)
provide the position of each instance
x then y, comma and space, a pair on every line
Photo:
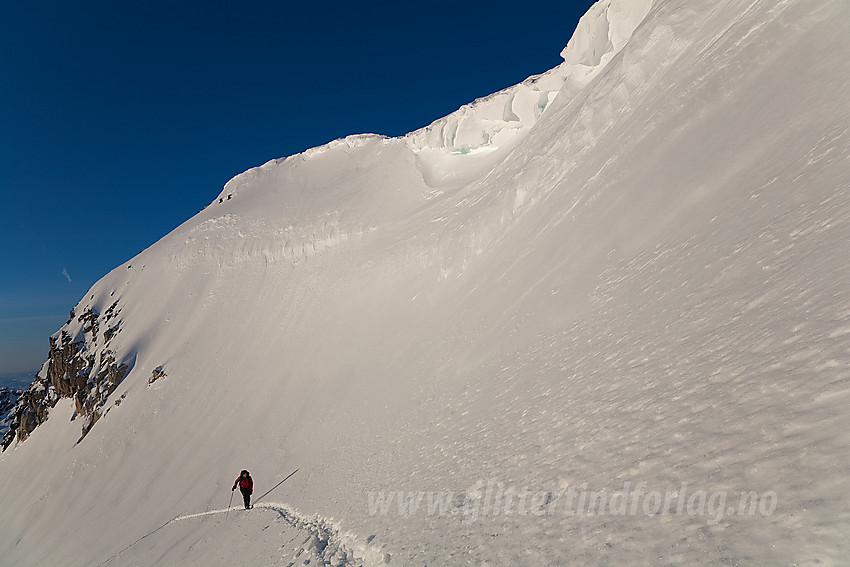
642, 281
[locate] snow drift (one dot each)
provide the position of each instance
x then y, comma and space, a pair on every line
630, 269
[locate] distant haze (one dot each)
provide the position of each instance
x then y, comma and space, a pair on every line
16, 381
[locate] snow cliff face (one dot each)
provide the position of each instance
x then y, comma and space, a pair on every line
469, 141
630, 269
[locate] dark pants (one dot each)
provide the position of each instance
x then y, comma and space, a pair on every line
246, 496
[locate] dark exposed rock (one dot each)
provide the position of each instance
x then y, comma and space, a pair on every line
8, 399
89, 318
110, 332
32, 409
157, 373
75, 369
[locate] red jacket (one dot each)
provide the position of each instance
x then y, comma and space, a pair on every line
244, 483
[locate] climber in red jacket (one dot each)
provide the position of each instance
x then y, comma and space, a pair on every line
246, 486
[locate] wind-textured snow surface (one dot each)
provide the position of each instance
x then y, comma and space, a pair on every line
629, 275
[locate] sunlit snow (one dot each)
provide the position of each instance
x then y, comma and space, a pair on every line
628, 275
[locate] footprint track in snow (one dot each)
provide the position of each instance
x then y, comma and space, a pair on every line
332, 546
326, 541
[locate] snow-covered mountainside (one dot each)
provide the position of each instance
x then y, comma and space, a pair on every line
601, 317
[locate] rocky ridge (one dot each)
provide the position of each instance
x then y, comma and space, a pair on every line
82, 367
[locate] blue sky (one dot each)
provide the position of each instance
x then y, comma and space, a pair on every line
119, 120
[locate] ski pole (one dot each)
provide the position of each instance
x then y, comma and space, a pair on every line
228, 505
275, 486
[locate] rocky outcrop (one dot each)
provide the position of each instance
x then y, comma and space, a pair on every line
8, 399
84, 369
